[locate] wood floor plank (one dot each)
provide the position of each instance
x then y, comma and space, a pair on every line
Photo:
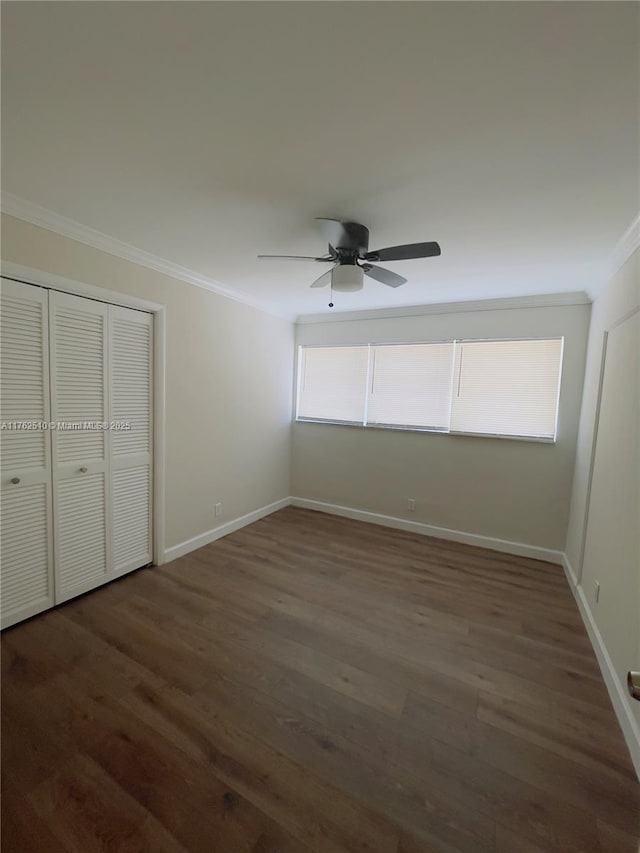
615, 840
312, 684
89, 813
345, 765
312, 810
185, 796
22, 827
457, 787
368, 650
614, 796
508, 841
600, 750
333, 673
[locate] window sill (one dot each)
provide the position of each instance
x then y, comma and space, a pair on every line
529, 438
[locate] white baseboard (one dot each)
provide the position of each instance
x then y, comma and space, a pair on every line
617, 690
569, 572
520, 549
223, 530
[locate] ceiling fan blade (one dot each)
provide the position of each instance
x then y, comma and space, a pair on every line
293, 258
344, 234
323, 281
392, 279
404, 253
333, 230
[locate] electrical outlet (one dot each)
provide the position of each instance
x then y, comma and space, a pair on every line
597, 591
218, 510
411, 505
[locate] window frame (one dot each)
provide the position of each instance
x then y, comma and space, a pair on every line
434, 431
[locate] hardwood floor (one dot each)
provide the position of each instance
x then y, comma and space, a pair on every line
311, 683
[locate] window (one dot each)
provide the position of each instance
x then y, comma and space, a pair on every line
333, 383
411, 386
507, 387
501, 388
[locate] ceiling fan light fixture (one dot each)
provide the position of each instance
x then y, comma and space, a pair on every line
346, 278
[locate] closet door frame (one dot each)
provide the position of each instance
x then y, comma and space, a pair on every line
28, 275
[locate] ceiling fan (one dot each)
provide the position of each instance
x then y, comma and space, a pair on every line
349, 253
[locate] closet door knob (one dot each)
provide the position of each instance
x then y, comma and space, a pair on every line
15, 480
83, 470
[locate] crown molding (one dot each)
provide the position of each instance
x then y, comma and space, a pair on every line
547, 300
35, 214
625, 246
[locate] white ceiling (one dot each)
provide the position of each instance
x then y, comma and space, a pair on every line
205, 133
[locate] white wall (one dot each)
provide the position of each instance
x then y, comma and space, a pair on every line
228, 382
517, 491
603, 540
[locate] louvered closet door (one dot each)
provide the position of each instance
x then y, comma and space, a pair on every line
131, 449
26, 558
79, 399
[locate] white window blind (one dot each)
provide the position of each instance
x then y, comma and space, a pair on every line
503, 388
507, 387
333, 383
410, 385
